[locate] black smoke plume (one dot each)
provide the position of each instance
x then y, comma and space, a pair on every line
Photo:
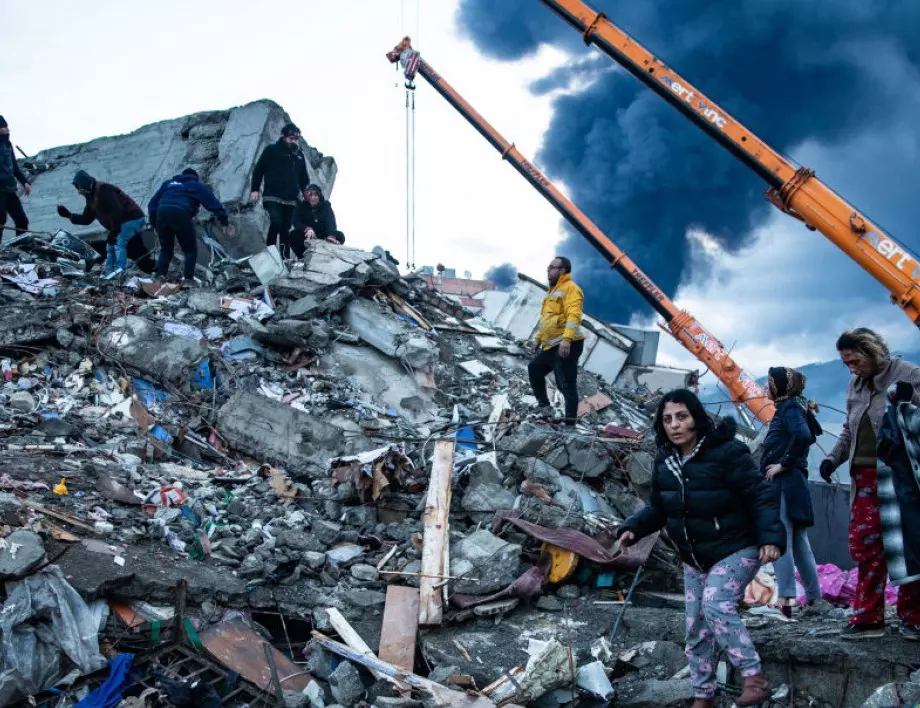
821, 72
504, 276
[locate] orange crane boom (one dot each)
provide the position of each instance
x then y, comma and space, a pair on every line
742, 387
792, 189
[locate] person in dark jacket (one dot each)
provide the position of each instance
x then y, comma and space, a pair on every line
314, 219
10, 174
116, 211
283, 169
724, 518
784, 462
172, 210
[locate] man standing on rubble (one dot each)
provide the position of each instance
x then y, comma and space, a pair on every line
283, 169
116, 211
172, 210
559, 341
9, 175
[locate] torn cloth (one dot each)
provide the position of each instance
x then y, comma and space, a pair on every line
108, 695
581, 544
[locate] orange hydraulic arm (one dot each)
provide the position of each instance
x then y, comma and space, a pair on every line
742, 387
794, 190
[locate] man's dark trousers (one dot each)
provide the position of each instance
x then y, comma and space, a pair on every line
10, 204
280, 218
566, 371
176, 225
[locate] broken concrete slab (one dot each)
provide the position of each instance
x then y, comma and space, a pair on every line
389, 335
275, 432
20, 553
345, 682
487, 497
222, 146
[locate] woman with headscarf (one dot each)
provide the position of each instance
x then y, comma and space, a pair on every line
867, 357
784, 463
724, 519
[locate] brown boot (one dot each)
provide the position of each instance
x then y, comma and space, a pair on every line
756, 690
704, 703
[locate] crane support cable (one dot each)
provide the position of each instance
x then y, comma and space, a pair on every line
742, 387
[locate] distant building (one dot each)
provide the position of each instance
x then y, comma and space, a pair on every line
463, 291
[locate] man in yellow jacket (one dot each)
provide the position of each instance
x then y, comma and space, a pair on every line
559, 341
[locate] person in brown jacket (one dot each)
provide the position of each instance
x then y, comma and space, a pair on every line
116, 211
874, 369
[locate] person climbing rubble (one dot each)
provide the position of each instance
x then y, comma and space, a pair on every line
559, 341
282, 168
10, 174
118, 213
701, 474
874, 370
784, 463
172, 211
313, 219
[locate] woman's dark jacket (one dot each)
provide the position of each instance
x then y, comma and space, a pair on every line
792, 431
320, 218
713, 505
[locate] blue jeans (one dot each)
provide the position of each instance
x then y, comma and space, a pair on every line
116, 255
798, 555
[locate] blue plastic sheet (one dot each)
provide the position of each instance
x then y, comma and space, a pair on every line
160, 433
203, 378
466, 434
150, 394
108, 695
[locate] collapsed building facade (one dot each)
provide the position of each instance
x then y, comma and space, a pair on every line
327, 481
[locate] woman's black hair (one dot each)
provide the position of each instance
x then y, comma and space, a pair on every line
697, 412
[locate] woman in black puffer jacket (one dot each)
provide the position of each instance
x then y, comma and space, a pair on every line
724, 518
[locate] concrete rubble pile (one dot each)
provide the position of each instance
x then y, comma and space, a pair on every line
269, 439
316, 483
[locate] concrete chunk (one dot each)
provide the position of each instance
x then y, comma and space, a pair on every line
392, 336
275, 432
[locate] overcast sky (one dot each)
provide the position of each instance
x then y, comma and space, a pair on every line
72, 72
76, 71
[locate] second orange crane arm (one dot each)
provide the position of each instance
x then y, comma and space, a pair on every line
794, 190
743, 388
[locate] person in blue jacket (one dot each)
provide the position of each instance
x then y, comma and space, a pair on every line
172, 211
784, 463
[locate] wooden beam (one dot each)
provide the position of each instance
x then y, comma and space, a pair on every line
437, 509
400, 625
350, 636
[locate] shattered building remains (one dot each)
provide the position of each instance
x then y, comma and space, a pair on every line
317, 483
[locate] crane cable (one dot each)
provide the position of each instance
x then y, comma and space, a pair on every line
410, 175
410, 148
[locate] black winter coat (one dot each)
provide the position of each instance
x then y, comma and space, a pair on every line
713, 505
321, 219
284, 170
9, 168
792, 431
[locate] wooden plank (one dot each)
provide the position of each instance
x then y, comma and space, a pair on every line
410, 311
349, 635
60, 516
499, 405
436, 522
400, 625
